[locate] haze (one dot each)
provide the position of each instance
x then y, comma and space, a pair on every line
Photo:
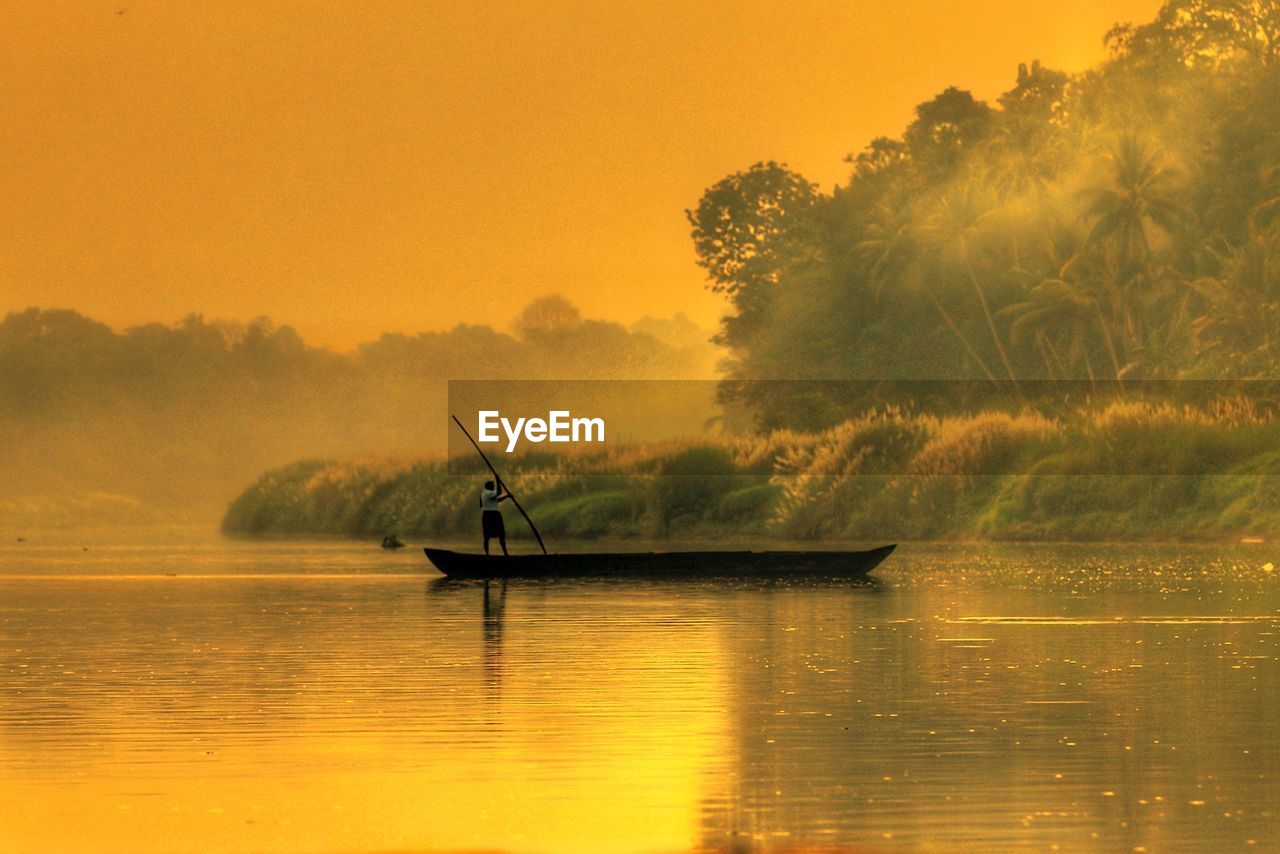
403, 167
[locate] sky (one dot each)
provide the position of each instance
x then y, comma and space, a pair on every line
367, 167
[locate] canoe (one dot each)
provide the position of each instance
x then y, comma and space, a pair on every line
668, 565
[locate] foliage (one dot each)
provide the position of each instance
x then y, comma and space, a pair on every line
1117, 223
744, 227
1130, 468
183, 416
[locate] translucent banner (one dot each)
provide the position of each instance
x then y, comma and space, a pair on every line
829, 427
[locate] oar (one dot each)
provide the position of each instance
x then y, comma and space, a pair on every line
498, 479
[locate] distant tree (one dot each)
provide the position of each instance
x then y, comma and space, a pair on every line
547, 317
1239, 324
187, 413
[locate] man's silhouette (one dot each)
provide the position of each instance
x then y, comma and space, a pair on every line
491, 516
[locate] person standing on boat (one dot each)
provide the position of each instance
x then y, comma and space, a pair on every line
491, 516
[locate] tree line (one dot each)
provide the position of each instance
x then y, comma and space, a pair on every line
187, 414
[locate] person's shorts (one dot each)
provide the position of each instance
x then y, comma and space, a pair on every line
491, 522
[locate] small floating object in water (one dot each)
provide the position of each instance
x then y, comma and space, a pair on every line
390, 542
22, 539
1252, 540
1268, 566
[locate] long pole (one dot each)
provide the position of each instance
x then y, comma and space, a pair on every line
498, 480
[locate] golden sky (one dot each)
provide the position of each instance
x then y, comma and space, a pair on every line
374, 166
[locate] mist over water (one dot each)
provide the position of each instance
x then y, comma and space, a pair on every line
168, 423
321, 695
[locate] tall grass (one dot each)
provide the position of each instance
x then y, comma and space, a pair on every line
1131, 469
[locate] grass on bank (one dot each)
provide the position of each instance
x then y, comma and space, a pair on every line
1124, 470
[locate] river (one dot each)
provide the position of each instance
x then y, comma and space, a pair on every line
187, 692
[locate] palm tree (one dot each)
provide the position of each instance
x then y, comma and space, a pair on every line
955, 234
887, 248
1161, 353
1136, 200
1135, 203
1264, 214
890, 252
1057, 304
1028, 154
1241, 306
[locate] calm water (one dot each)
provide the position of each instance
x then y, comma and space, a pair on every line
211, 695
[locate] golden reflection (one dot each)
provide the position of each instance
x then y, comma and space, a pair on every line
493, 608
278, 713
507, 739
469, 724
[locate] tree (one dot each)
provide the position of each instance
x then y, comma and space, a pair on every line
1063, 310
1039, 94
891, 254
547, 317
1136, 201
1240, 319
1204, 33
945, 129
955, 234
1028, 143
749, 227
880, 156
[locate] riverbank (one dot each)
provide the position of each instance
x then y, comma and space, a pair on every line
1122, 472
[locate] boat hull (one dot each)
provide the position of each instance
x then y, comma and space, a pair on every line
669, 565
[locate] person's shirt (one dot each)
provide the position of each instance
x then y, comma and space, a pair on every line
488, 499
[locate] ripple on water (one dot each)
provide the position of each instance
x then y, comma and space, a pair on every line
1023, 696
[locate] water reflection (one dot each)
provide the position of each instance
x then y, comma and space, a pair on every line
978, 701
493, 607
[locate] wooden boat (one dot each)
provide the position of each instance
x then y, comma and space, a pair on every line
670, 565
